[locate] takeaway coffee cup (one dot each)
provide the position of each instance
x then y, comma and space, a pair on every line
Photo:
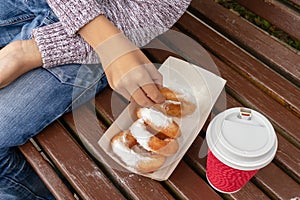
241, 141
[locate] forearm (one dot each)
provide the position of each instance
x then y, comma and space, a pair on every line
98, 30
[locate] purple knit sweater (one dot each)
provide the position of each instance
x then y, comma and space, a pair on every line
139, 20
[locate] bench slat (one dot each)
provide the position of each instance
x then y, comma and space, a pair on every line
46, 172
277, 13
190, 184
296, 2
133, 186
278, 183
257, 99
250, 38
256, 72
75, 165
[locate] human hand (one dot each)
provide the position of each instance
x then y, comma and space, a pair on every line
18, 58
128, 70
136, 78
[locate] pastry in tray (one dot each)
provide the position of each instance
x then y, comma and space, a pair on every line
150, 139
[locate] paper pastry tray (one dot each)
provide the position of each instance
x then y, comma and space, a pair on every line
204, 87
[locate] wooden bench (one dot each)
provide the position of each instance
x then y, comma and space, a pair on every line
262, 73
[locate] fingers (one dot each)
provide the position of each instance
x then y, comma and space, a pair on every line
152, 92
155, 74
141, 98
138, 86
144, 89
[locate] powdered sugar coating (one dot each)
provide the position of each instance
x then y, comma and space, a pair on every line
138, 130
155, 117
131, 157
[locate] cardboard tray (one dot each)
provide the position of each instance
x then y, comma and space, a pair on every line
204, 87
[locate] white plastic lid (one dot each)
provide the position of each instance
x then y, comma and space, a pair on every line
242, 138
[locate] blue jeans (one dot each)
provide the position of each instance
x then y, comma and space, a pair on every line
35, 99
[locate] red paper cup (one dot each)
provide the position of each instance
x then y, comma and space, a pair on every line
241, 141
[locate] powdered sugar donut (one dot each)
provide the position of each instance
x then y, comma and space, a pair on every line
159, 122
165, 146
125, 146
177, 104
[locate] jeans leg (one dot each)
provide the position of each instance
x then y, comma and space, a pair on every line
19, 17
35, 99
18, 180
27, 106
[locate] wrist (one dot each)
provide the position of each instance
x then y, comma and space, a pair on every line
33, 54
113, 48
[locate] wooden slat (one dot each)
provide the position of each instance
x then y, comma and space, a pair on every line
277, 183
258, 100
47, 174
190, 185
256, 72
277, 14
295, 2
288, 157
250, 38
82, 173
87, 127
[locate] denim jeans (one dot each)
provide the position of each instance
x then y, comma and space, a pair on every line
35, 99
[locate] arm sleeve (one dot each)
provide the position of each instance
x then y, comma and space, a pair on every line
58, 48
74, 14
139, 20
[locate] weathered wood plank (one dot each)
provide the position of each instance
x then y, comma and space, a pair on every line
82, 173
87, 127
277, 182
295, 2
45, 171
260, 44
256, 72
277, 14
189, 185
